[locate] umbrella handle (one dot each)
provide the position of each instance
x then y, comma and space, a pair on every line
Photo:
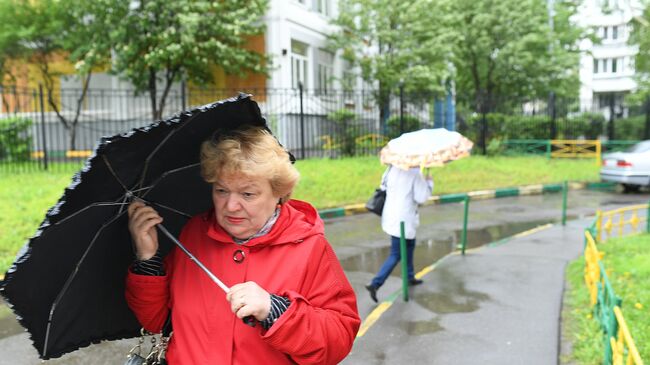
249, 320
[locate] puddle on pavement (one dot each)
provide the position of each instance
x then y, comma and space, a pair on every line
416, 328
429, 250
450, 295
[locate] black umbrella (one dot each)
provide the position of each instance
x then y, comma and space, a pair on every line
67, 284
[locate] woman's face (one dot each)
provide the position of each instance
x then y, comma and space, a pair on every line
243, 204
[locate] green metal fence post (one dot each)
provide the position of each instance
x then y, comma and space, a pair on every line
565, 188
402, 251
463, 237
548, 149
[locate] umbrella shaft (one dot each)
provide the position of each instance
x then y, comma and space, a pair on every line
193, 258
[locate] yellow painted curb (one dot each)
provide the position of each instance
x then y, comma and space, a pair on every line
355, 209
373, 317
383, 306
435, 199
531, 189
482, 194
533, 230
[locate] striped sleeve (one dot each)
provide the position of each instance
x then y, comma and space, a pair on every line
279, 305
151, 267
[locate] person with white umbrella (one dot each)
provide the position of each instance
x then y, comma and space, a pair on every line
405, 189
407, 186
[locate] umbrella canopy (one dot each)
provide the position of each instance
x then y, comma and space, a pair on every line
425, 148
67, 283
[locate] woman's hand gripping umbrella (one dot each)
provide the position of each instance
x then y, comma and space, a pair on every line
142, 225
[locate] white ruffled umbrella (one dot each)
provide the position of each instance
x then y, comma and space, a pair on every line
425, 148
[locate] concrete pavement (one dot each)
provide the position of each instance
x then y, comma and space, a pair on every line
498, 304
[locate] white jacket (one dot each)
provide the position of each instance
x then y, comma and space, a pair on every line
404, 191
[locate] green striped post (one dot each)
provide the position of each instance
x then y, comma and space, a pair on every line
548, 149
565, 189
463, 239
402, 252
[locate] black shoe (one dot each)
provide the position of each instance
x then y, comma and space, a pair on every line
415, 281
373, 291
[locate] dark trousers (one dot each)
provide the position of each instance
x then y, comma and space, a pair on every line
393, 259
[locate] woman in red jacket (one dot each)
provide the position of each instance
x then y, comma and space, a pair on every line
272, 253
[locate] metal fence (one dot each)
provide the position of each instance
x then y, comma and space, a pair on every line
39, 130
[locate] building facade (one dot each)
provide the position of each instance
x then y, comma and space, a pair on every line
607, 65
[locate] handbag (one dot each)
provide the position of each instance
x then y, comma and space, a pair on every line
376, 202
156, 355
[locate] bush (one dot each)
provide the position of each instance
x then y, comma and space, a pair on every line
495, 147
528, 127
15, 141
631, 128
587, 125
411, 123
344, 119
502, 127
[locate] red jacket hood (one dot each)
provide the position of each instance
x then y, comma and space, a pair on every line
297, 221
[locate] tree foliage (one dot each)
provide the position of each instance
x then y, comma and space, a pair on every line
641, 35
495, 51
151, 43
395, 44
10, 44
159, 42
508, 51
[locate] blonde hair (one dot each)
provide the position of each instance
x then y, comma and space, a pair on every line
253, 152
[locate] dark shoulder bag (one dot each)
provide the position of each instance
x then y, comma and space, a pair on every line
376, 202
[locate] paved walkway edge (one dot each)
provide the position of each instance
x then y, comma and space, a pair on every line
474, 195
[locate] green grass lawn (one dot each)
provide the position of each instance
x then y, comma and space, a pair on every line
25, 197
332, 183
627, 261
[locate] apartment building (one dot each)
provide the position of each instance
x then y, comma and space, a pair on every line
607, 66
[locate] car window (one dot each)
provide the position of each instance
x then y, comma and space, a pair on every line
640, 147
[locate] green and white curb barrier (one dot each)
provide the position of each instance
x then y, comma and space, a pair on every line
474, 195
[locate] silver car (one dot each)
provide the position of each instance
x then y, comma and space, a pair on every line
631, 168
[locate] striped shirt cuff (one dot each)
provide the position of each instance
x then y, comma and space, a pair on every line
151, 267
279, 305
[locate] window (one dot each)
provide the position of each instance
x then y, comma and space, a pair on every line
348, 79
322, 6
324, 71
614, 63
604, 32
596, 65
615, 32
298, 64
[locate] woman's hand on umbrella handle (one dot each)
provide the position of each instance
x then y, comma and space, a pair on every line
249, 299
142, 225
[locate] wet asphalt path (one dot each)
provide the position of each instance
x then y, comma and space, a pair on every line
421, 331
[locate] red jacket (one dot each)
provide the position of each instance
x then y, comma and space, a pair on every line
293, 260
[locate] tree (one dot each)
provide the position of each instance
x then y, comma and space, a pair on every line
11, 47
48, 31
159, 42
395, 43
509, 52
641, 35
